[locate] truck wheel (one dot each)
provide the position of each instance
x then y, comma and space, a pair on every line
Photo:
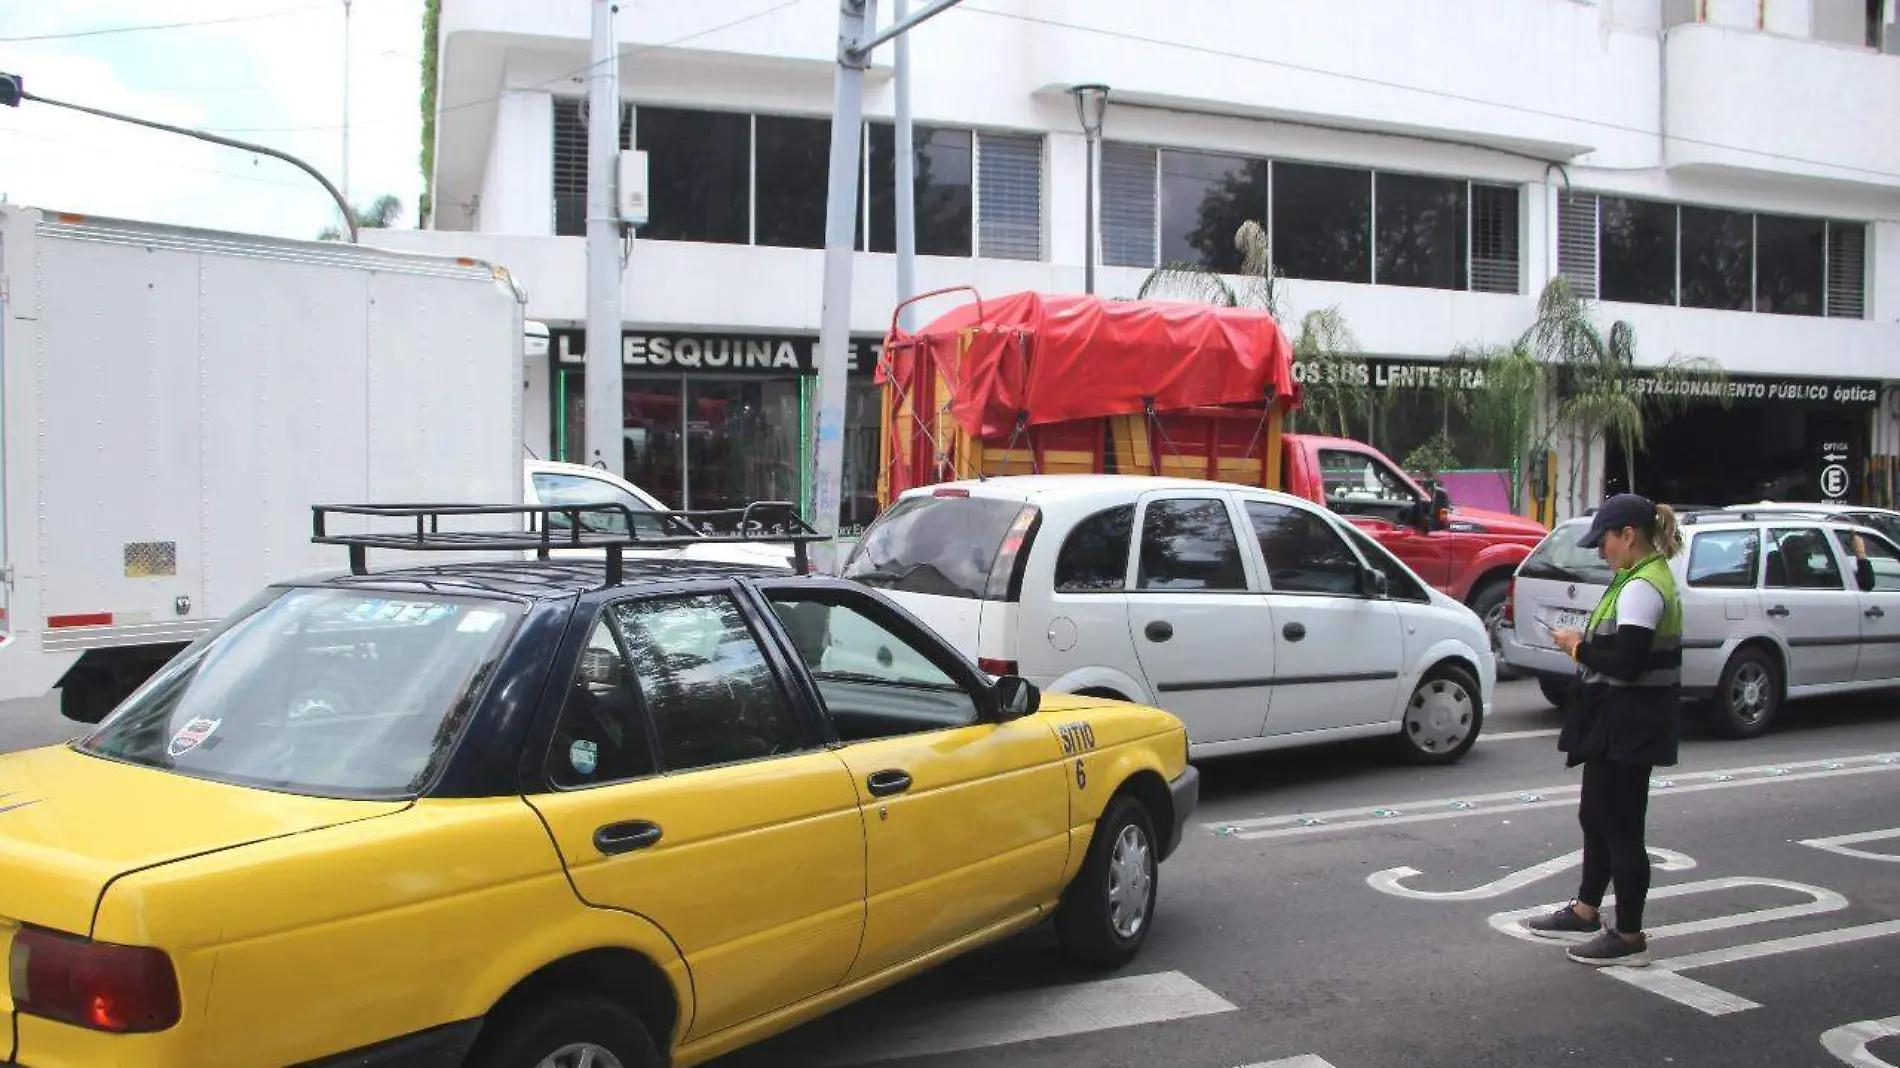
1106, 912
566, 1032
1442, 718
1488, 603
1747, 697
1557, 691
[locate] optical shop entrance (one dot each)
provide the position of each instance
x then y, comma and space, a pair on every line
1803, 440
719, 420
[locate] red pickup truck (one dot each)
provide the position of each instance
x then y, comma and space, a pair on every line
1469, 553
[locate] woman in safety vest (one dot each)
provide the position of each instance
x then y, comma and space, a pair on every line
1623, 723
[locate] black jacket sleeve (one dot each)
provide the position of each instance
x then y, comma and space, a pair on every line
1621, 660
1864, 574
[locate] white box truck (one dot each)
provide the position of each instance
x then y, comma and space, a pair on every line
173, 401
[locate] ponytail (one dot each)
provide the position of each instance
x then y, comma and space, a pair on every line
1666, 536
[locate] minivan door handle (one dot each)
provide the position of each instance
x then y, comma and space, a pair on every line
615, 838
1159, 631
886, 783
1874, 612
1779, 610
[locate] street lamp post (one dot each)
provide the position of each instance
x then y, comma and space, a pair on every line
1091, 103
346, 102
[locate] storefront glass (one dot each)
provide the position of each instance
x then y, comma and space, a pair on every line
742, 442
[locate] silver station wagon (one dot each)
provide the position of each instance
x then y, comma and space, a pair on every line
1775, 607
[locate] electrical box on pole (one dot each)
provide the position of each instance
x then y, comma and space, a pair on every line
633, 188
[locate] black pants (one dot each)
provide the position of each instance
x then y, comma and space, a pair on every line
1614, 805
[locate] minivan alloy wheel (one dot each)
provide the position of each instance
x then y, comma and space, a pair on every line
1751, 692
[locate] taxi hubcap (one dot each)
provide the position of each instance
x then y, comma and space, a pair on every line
581, 1055
1439, 717
1130, 877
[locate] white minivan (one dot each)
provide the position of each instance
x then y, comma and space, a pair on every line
1259, 619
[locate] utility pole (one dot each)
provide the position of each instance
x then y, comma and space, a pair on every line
906, 178
856, 18
604, 414
346, 101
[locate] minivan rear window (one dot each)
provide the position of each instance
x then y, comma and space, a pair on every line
936, 545
1560, 559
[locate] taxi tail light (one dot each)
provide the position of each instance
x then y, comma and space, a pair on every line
1006, 572
95, 985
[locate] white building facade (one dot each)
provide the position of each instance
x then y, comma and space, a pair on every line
1723, 175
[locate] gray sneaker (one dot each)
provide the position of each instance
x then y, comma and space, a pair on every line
1564, 925
1610, 948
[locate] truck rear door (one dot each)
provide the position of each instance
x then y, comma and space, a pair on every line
124, 418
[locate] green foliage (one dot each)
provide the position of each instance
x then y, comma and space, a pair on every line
431, 18
1336, 392
1438, 454
381, 214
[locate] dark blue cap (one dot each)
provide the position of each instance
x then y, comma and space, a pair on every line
1622, 510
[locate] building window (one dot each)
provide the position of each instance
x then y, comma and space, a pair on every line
1421, 227
942, 178
1321, 222
1128, 206
1636, 251
1009, 193
1718, 259
1789, 260
699, 174
1167, 207
1644, 252
570, 164
794, 162
1204, 199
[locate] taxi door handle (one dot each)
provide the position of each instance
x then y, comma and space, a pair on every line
626, 837
886, 783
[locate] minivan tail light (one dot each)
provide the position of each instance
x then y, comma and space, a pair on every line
997, 667
1510, 604
96, 985
1006, 571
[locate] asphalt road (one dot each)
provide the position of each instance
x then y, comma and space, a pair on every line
1333, 909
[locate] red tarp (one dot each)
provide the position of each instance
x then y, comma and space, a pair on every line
1063, 357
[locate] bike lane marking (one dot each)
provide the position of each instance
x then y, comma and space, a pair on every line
1392, 880
1840, 843
1848, 1043
1664, 976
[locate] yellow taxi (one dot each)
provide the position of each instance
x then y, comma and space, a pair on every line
548, 812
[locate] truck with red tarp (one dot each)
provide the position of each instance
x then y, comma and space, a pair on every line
1038, 383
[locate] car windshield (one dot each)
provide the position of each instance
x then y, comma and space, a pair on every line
1561, 559
941, 545
330, 692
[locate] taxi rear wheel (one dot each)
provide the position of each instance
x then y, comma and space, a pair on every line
1105, 914
566, 1032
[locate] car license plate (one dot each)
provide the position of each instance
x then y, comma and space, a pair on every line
1569, 619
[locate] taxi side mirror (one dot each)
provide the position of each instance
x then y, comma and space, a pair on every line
1017, 697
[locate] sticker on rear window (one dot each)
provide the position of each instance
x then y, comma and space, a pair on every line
192, 735
584, 755
478, 622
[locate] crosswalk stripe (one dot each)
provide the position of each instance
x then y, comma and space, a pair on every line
1006, 1019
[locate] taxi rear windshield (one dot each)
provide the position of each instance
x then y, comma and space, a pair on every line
328, 692
937, 545
1560, 559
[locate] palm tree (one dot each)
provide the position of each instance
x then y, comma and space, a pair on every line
1598, 396
1510, 409
1336, 391
381, 214
1196, 284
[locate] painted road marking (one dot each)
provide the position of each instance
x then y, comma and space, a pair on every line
1849, 1043
1304, 1060
1821, 900
1392, 880
1563, 795
1665, 977
1005, 1019
1506, 736
1840, 843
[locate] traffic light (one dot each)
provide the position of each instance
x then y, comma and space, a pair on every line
12, 88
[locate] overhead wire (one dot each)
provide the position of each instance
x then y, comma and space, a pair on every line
114, 30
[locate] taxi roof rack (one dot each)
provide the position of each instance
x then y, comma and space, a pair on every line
760, 521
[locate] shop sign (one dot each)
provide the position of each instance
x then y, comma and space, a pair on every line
721, 353
1836, 478
1383, 374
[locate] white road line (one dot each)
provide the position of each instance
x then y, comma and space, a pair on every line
1304, 1060
1290, 825
1707, 999
1506, 736
1840, 842
1392, 880
1849, 1043
1005, 1019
